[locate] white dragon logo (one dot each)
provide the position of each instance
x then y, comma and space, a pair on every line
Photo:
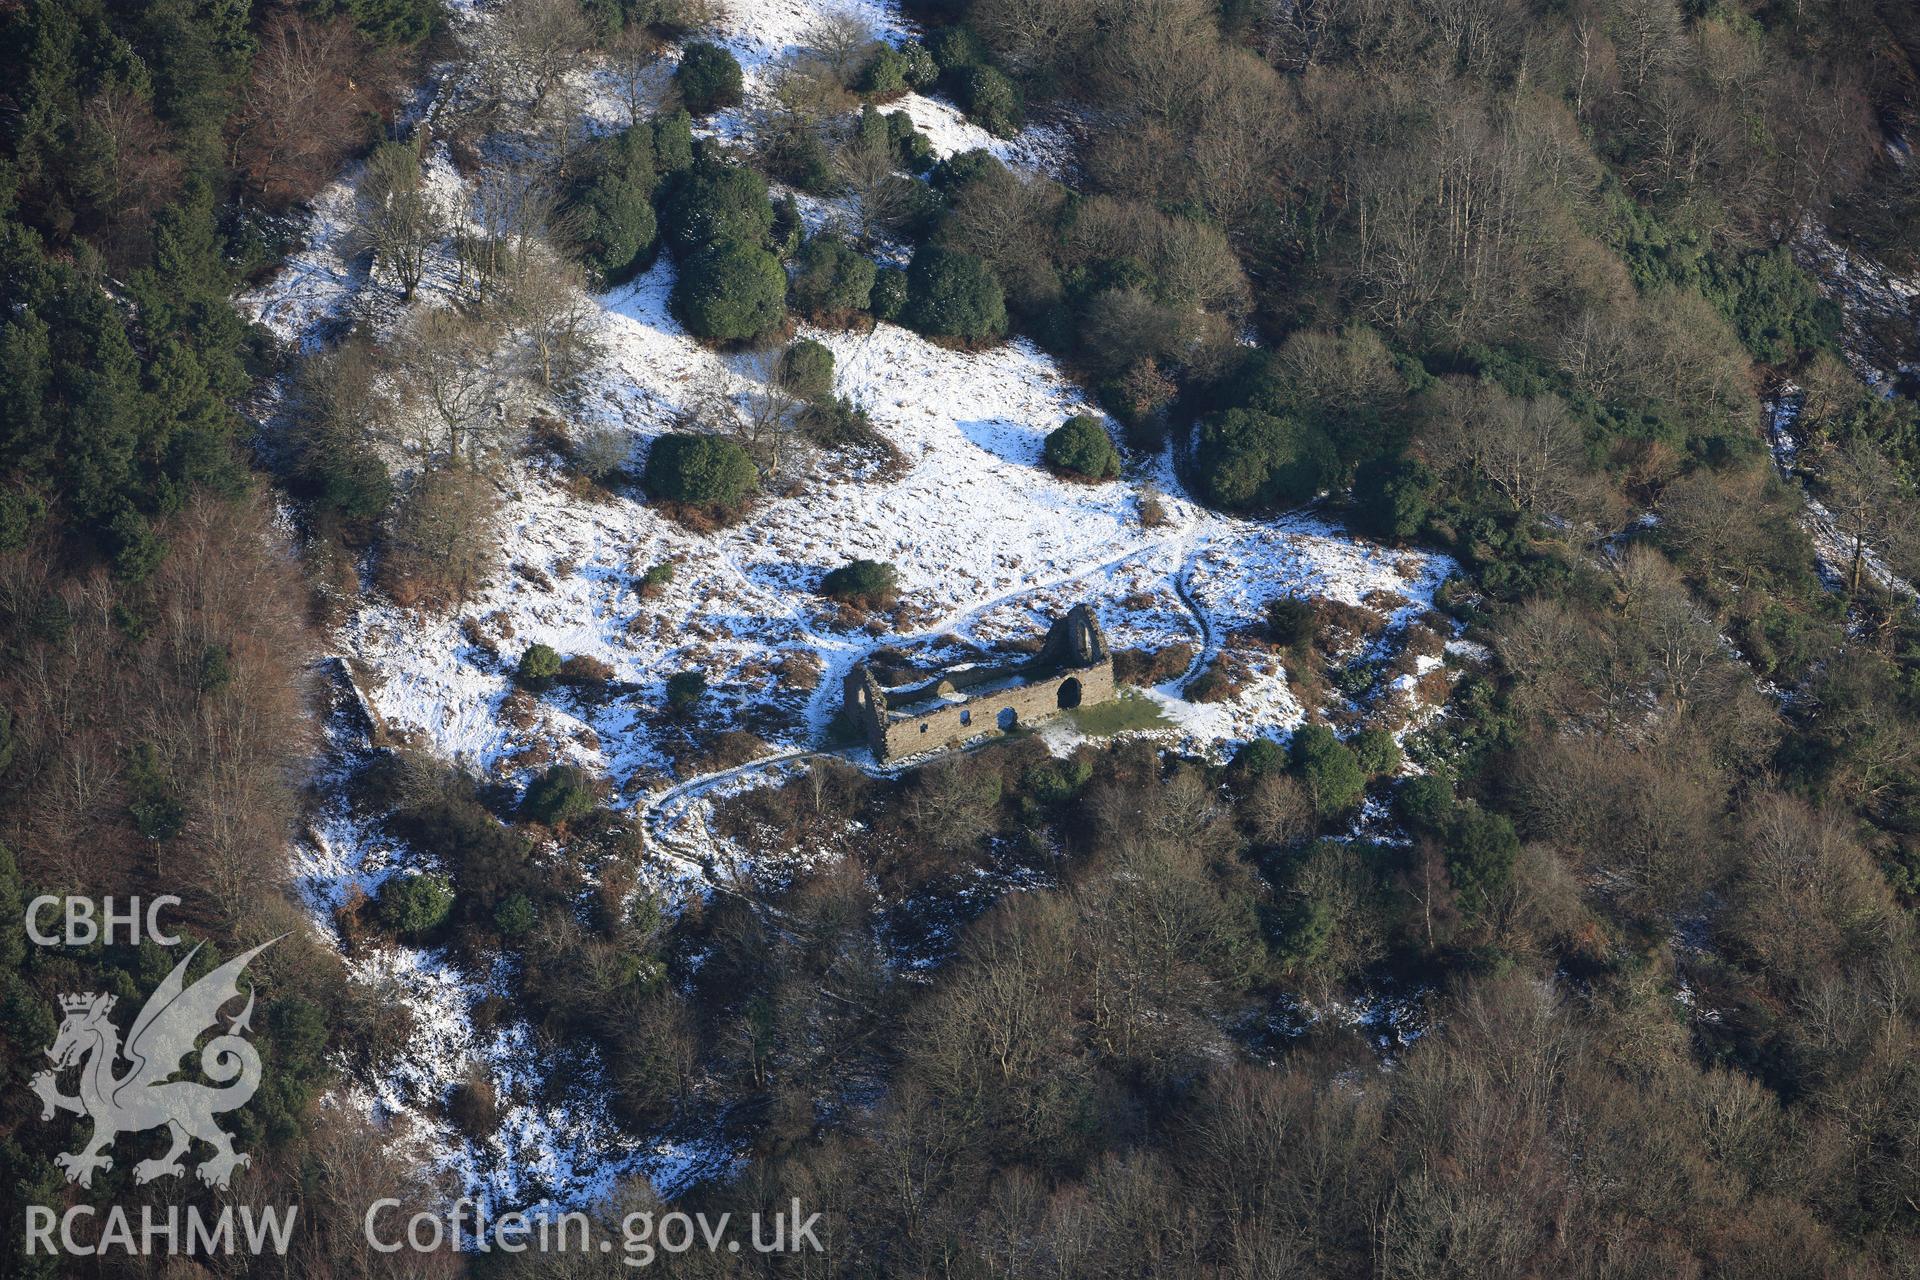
144, 1098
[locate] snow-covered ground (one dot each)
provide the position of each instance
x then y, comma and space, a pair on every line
763, 34
1870, 294
988, 545
556, 1146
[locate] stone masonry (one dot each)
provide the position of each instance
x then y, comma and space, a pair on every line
1073, 668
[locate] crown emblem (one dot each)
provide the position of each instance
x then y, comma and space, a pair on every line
84, 1003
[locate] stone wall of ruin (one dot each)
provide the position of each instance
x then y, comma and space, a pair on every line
957, 722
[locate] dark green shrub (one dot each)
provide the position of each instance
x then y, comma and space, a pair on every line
963, 167
1424, 805
800, 157
916, 152
516, 916
1302, 931
1774, 305
1346, 384
709, 78
20, 514
715, 201
673, 142
894, 132
487, 859
1481, 848
840, 425
868, 583
707, 471
956, 47
806, 369
1392, 497
393, 22
684, 689
349, 480
13, 954
1260, 756
1082, 448
889, 296
613, 209
1251, 459
915, 209
1328, 768
358, 486
833, 278
1376, 751
558, 796
1290, 622
886, 76
137, 547
921, 68
539, 666
415, 904
153, 795
990, 100
655, 579
953, 295
730, 292
216, 669
1055, 782
788, 228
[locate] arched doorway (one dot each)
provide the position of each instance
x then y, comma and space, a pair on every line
1070, 693
1007, 719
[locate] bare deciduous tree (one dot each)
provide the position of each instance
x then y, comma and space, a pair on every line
1009, 220
1296, 30
633, 60
1731, 524
1036, 36
754, 409
397, 215
880, 197
549, 308
844, 44
523, 229
1278, 810
1528, 450
136, 169
453, 383
1871, 507
1245, 118
306, 103
1155, 57
952, 804
440, 541
545, 41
